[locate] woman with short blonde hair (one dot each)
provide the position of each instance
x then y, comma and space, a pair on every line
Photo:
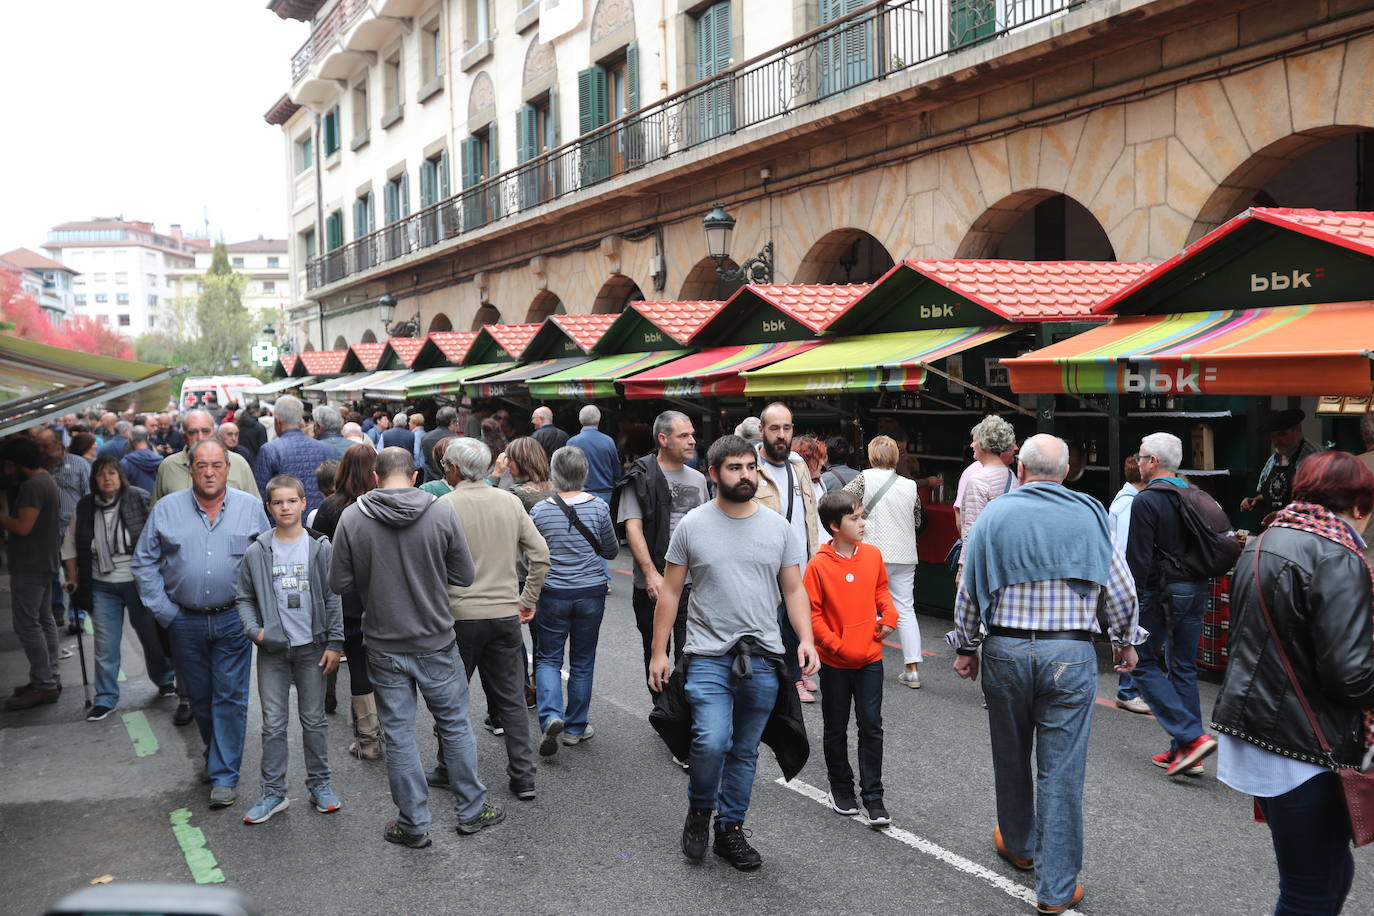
883, 452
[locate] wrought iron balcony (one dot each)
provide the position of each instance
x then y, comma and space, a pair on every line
335, 21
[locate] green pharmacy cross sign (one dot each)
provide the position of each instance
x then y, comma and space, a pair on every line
264, 353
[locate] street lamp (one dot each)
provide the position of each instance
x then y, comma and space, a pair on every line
718, 225
407, 328
235, 361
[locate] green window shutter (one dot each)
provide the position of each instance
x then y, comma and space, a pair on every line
405, 194
441, 167
527, 133
333, 230
555, 131
493, 152
426, 183
391, 202
472, 161
631, 79
971, 21
721, 25
359, 218
592, 104
713, 40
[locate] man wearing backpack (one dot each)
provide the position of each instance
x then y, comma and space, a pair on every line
1163, 552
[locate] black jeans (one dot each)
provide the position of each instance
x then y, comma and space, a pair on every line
863, 687
1311, 836
493, 648
359, 684
644, 622
790, 642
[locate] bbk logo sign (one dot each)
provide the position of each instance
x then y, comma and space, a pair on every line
1166, 381
931, 312
653, 337
682, 388
777, 324
1293, 279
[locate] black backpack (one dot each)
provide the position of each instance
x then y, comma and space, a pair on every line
1213, 547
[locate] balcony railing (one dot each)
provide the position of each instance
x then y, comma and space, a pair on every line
334, 22
867, 45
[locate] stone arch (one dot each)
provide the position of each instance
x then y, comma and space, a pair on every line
540, 60
340, 343
487, 314
844, 256
1037, 225
439, 322
702, 283
1319, 167
545, 303
482, 96
368, 337
609, 16
614, 294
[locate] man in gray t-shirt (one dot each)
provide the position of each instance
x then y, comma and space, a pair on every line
743, 558
32, 527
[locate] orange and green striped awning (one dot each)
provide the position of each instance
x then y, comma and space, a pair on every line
711, 373
1285, 350
597, 378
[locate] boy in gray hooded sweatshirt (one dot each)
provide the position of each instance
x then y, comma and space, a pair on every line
399, 549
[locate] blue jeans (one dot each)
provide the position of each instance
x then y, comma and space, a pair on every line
277, 671
1174, 628
863, 687
1311, 836
1040, 693
728, 716
215, 661
576, 621
440, 678
109, 601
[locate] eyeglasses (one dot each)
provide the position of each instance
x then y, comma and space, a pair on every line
1140, 458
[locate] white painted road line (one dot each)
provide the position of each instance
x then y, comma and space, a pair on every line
934, 850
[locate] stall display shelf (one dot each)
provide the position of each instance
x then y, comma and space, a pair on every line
930, 411
1182, 414
938, 457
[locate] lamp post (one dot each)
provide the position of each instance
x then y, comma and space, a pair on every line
410, 327
235, 361
718, 225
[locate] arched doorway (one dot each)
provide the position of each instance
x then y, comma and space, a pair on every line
487, 314
1330, 168
1037, 225
703, 284
439, 322
844, 256
544, 305
369, 337
615, 293
341, 342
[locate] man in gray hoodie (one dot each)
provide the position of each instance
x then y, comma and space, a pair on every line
400, 549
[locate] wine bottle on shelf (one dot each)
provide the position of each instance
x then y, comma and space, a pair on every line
1092, 451
920, 442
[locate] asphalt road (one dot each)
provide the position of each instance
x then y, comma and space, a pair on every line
82, 800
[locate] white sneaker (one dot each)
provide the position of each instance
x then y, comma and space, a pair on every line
910, 678
1135, 705
570, 739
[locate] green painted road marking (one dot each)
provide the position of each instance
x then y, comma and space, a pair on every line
86, 622
121, 675
140, 733
199, 859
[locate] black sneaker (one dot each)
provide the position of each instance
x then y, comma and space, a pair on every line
489, 816
695, 833
732, 845
183, 715
877, 814
438, 778
169, 690
98, 712
523, 790
493, 726
394, 834
842, 801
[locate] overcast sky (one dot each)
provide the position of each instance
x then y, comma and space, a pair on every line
150, 109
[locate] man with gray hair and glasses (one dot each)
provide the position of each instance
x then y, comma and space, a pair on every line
174, 474
330, 423
603, 458
1171, 609
488, 613
292, 452
1038, 565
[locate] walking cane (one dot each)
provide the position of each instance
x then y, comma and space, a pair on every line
81, 650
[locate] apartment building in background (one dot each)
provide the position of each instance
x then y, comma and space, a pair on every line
49, 282
264, 264
482, 160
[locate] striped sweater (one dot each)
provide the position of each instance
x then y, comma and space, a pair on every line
574, 565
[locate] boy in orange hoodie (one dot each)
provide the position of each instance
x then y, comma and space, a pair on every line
851, 614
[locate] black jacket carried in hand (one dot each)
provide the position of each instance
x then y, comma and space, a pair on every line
784, 733
1319, 596
655, 505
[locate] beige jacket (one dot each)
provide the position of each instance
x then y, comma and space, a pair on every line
497, 529
767, 495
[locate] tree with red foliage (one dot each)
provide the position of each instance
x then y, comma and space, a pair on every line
25, 318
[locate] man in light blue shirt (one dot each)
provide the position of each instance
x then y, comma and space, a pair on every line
603, 458
187, 568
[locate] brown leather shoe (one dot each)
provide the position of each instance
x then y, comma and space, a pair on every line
1013, 861
32, 698
1076, 899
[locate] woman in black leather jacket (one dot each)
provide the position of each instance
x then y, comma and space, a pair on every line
1320, 593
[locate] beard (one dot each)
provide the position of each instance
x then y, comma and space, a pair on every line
776, 449
741, 492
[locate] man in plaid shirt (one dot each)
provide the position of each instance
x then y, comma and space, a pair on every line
1038, 566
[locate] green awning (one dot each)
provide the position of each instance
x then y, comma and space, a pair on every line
353, 386
514, 380
869, 362
339, 381
280, 385
39, 382
596, 379
450, 381
395, 388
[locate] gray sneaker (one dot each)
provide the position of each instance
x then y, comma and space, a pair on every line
489, 816
569, 739
223, 796
548, 744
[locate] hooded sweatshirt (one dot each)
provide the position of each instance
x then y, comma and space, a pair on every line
849, 599
140, 466
400, 549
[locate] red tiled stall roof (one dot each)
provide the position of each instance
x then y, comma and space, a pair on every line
323, 362
369, 354
513, 338
584, 330
1353, 229
453, 344
288, 362
813, 304
678, 319
406, 348
1032, 290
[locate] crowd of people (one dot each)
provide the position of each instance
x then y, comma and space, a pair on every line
765, 571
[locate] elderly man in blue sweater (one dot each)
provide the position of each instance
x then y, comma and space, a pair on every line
292, 452
603, 458
1038, 564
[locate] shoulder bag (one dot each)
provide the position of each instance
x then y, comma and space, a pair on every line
1357, 787
956, 552
871, 504
582, 529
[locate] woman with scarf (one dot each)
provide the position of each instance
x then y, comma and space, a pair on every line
96, 555
1306, 581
